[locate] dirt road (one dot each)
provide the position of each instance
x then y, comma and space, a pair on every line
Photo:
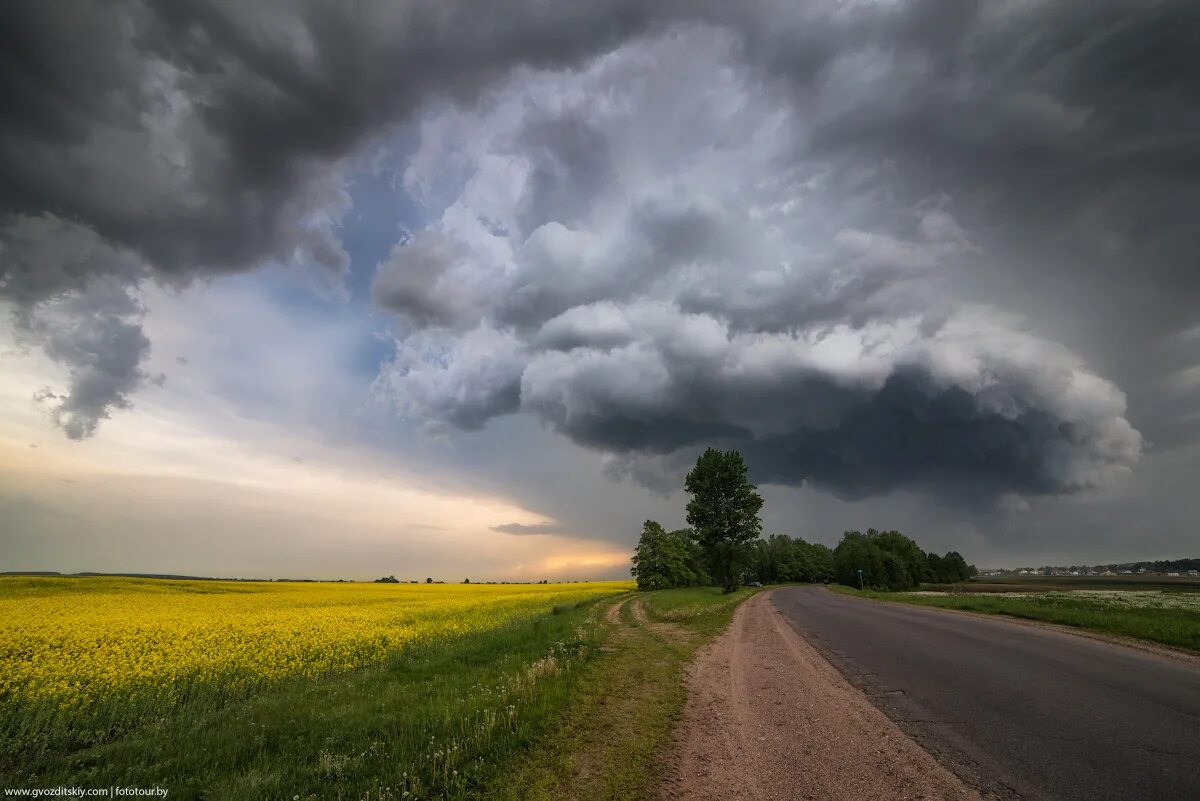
769, 718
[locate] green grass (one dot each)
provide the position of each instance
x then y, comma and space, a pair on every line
563, 704
1095, 611
612, 742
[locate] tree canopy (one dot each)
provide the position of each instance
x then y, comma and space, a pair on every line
666, 559
724, 544
723, 513
780, 558
890, 560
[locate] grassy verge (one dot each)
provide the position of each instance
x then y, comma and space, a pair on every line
1108, 613
613, 739
437, 722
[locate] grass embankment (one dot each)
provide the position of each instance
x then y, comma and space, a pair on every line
612, 741
1167, 618
567, 703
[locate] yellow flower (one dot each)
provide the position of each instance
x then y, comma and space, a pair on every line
81, 643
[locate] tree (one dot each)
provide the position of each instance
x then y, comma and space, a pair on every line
954, 568
791, 559
666, 559
775, 559
429, 581
723, 513
937, 568
781, 558
820, 561
914, 567
890, 560
854, 553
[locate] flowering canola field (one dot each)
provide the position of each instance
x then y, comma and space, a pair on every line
83, 645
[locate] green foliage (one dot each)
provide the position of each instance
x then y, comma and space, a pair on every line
723, 514
780, 558
664, 560
950, 568
890, 560
858, 553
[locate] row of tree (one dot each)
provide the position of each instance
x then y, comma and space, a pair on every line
890, 560
722, 546
724, 524
780, 558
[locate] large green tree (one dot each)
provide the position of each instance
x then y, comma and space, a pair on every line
950, 568
666, 559
723, 513
890, 560
780, 558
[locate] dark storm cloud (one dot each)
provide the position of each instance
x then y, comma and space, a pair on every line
71, 298
1022, 417
104, 352
1065, 134
669, 224
203, 137
200, 133
845, 173
931, 437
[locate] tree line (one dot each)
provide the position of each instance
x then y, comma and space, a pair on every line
723, 546
888, 560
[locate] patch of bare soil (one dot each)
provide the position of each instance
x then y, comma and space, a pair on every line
613, 613
768, 717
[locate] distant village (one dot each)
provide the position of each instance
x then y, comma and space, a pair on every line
1181, 568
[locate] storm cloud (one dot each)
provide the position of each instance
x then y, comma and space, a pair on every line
876, 246
726, 275
208, 137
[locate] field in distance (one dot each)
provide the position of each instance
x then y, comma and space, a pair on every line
1160, 609
1041, 583
95, 668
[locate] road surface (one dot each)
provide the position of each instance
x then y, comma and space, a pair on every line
1015, 710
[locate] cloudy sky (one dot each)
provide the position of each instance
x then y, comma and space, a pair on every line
462, 289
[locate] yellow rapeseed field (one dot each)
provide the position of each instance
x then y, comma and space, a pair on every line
80, 643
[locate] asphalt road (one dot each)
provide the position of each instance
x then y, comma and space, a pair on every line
1015, 710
